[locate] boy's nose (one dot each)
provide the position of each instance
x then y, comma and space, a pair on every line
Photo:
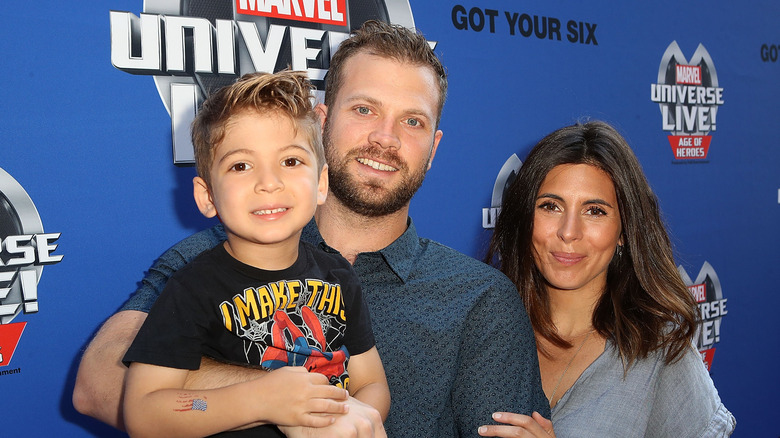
269, 182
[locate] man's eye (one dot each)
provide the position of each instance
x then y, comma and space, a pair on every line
413, 122
291, 162
363, 110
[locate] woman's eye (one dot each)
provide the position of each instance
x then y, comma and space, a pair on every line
548, 206
291, 162
596, 211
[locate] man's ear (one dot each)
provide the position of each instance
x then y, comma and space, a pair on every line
202, 195
436, 139
322, 187
322, 110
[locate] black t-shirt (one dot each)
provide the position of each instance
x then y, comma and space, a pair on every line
311, 314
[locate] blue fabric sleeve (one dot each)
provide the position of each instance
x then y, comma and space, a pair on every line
169, 262
498, 351
687, 403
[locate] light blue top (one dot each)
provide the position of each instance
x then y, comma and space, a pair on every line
654, 400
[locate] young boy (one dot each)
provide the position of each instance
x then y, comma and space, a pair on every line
263, 298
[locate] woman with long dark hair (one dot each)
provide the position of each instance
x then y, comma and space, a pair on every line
580, 234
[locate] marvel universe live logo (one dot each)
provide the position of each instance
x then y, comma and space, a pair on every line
156, 44
189, 56
504, 179
711, 313
525, 25
24, 250
688, 96
153, 44
708, 294
20, 255
322, 11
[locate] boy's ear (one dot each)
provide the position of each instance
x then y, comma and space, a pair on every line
322, 110
202, 195
322, 187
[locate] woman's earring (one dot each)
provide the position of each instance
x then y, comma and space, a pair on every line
620, 250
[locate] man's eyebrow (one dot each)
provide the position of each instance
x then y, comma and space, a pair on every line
364, 98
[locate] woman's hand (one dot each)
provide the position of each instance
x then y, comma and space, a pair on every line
518, 425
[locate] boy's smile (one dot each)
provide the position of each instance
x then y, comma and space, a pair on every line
265, 186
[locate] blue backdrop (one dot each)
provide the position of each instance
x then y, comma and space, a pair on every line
91, 147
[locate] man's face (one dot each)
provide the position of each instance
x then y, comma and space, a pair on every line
380, 135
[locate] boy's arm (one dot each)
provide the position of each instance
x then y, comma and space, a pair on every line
100, 379
367, 381
156, 405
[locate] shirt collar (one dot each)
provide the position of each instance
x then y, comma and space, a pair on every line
399, 255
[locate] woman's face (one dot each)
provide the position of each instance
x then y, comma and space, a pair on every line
576, 228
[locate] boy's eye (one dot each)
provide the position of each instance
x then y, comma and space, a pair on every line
239, 167
291, 162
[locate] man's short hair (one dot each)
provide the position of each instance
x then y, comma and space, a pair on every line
388, 41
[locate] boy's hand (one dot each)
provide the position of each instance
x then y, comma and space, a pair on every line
293, 396
361, 421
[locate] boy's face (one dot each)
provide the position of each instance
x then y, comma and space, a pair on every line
265, 184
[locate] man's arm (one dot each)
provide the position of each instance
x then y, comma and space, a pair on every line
101, 375
498, 367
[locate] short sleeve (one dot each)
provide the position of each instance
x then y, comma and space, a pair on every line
359, 336
172, 335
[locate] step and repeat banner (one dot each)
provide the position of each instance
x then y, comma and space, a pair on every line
95, 169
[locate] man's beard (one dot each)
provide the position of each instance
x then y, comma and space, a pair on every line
370, 199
